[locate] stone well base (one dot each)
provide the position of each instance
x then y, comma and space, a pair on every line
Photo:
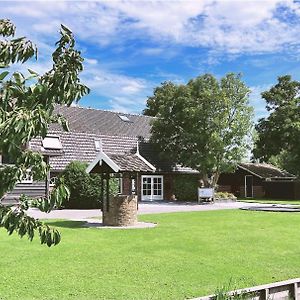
121, 211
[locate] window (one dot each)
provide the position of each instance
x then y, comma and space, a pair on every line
98, 145
52, 142
27, 177
124, 118
53, 181
152, 187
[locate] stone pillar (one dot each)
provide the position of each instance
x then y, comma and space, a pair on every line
122, 211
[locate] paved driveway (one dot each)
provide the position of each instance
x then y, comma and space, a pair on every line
144, 208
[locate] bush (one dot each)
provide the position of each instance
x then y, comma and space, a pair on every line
85, 188
186, 187
224, 195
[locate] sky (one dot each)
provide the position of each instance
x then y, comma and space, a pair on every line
131, 47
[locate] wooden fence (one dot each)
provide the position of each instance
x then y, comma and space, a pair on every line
283, 290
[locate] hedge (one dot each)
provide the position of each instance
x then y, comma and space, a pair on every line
186, 187
85, 188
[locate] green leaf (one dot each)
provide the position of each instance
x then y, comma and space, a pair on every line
33, 72
3, 75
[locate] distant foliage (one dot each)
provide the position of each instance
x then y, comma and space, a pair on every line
85, 188
186, 187
278, 134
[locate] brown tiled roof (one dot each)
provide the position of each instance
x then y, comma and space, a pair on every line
103, 122
130, 162
118, 137
81, 146
265, 170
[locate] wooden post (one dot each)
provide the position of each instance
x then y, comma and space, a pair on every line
47, 181
137, 189
107, 191
102, 191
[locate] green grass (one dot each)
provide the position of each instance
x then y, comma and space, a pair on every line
187, 255
271, 201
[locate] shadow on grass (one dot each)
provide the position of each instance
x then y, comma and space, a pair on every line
66, 224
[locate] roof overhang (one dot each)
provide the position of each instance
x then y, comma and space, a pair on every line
145, 161
99, 160
249, 171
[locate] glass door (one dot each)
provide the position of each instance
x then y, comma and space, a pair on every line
152, 187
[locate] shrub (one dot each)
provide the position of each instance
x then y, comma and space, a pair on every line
224, 195
85, 188
186, 187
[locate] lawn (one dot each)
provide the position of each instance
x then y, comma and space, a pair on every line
187, 255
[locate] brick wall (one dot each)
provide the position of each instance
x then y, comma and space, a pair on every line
224, 188
258, 191
126, 190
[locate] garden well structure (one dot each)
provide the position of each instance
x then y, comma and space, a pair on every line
121, 209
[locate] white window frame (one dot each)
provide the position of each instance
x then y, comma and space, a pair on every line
27, 179
124, 118
60, 147
152, 197
98, 145
52, 181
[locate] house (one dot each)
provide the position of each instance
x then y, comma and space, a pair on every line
257, 180
121, 142
123, 138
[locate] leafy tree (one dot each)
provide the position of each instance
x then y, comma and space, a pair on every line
160, 94
203, 124
26, 109
279, 133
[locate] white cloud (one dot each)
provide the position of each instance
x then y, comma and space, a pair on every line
230, 26
224, 28
124, 93
91, 61
152, 51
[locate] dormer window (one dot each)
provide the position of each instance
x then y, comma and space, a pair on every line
52, 142
98, 145
124, 118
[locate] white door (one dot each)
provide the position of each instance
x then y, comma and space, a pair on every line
152, 187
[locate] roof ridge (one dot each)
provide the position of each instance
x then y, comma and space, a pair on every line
108, 110
95, 134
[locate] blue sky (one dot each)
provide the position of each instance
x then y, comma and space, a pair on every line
131, 47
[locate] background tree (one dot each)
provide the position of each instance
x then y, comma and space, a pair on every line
279, 133
160, 94
26, 110
204, 124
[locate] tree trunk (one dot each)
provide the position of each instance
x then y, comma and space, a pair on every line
206, 180
215, 179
